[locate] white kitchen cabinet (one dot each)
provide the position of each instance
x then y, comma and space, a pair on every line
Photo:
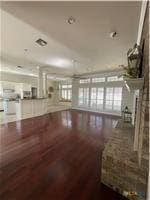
30, 108
8, 85
23, 87
9, 107
1, 105
18, 88
26, 87
15, 86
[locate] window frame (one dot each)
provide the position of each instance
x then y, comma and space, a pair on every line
65, 88
85, 98
98, 80
96, 99
85, 81
113, 100
113, 80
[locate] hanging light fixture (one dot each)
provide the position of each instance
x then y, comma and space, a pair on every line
134, 55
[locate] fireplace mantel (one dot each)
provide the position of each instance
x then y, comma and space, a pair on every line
134, 84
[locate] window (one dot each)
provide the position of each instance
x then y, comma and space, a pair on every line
117, 98
97, 98
113, 98
109, 98
96, 80
65, 92
84, 97
66, 86
114, 78
85, 80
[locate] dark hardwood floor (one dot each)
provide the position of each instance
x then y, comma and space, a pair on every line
55, 157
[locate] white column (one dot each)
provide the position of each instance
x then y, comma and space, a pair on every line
40, 83
44, 84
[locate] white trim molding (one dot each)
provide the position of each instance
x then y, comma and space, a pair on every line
141, 21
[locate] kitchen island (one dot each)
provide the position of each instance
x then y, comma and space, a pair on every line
27, 108
9, 106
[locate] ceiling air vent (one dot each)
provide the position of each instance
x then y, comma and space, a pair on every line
41, 42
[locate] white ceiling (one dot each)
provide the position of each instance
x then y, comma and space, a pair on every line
87, 40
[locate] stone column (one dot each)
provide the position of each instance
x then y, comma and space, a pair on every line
137, 122
40, 83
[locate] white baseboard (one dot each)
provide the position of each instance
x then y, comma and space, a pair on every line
100, 112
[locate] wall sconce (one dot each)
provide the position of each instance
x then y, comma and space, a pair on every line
134, 55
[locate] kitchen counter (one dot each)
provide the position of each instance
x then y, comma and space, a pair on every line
29, 99
33, 98
9, 100
27, 108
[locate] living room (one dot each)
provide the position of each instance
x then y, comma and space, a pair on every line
74, 100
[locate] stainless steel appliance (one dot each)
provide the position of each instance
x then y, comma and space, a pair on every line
34, 92
26, 94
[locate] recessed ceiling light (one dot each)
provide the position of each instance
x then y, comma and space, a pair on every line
71, 20
41, 42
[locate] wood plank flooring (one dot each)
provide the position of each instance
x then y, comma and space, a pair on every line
55, 157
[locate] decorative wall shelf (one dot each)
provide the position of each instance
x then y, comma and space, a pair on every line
134, 84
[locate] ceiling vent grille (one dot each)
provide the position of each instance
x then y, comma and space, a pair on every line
41, 42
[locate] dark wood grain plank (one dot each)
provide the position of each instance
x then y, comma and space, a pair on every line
55, 157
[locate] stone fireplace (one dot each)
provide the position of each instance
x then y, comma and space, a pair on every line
125, 163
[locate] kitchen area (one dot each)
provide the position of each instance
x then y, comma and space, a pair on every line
19, 101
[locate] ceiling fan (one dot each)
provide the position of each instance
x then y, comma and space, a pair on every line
75, 75
78, 76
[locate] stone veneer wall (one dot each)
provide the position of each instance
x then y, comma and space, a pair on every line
143, 153
123, 169
120, 169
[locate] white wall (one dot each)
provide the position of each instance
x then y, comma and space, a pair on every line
127, 97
